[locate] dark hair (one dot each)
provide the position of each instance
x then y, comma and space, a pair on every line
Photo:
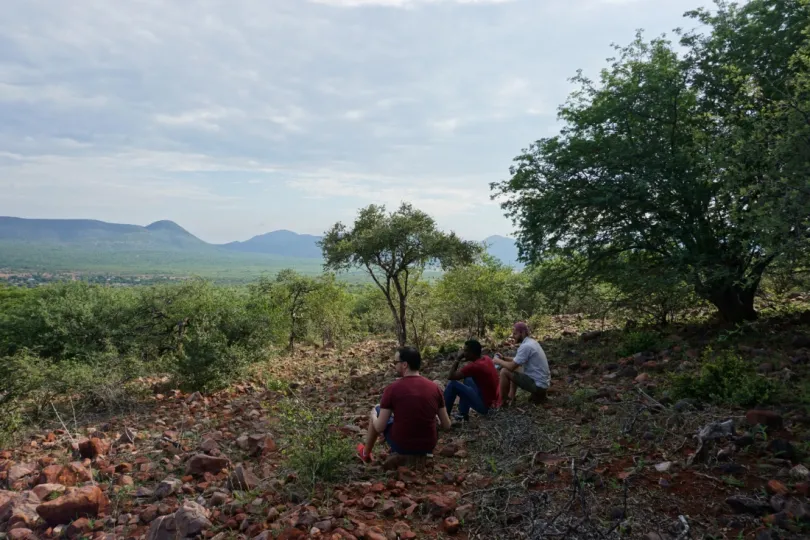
411, 356
475, 347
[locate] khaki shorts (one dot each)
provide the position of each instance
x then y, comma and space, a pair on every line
524, 382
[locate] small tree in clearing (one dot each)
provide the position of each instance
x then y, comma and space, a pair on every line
395, 248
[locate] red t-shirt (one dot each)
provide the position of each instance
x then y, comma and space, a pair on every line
486, 377
415, 402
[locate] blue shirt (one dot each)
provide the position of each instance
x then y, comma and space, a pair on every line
530, 355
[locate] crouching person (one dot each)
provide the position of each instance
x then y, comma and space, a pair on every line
528, 370
480, 389
408, 410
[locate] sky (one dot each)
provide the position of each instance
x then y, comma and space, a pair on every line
238, 117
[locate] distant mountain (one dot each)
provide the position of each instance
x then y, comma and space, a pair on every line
162, 235
286, 243
504, 249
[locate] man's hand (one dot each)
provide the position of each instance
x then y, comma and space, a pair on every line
454, 374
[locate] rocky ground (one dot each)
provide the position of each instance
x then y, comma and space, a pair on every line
609, 456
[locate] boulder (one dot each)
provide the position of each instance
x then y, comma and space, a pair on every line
44, 491
167, 487
190, 520
88, 501
21, 534
20, 510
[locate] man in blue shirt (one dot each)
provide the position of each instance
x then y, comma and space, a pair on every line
528, 370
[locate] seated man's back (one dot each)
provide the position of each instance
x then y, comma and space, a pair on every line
415, 401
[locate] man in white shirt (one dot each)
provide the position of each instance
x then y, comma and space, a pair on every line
528, 370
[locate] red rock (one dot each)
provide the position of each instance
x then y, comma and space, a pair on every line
68, 475
643, 378
775, 487
369, 502
20, 511
79, 527
803, 488
451, 525
375, 533
43, 491
20, 471
377, 488
201, 464
768, 419
389, 509
440, 506
292, 534
94, 447
84, 502
449, 450
21, 534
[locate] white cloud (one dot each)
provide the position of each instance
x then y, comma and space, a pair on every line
288, 113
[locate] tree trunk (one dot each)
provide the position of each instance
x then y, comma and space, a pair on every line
735, 303
403, 323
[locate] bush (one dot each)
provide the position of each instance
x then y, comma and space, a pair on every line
636, 342
313, 446
725, 379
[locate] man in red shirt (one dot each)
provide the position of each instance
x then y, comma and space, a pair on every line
415, 402
480, 390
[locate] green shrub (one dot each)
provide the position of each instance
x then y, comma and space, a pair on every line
636, 342
313, 446
725, 379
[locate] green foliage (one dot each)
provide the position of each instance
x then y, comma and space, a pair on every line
479, 297
725, 379
370, 313
698, 163
313, 446
395, 249
636, 342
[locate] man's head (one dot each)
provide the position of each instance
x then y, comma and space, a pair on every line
407, 358
520, 332
472, 350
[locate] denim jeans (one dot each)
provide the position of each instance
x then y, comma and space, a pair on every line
469, 397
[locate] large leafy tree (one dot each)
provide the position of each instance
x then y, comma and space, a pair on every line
700, 163
394, 248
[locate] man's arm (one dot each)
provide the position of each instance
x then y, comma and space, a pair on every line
444, 418
506, 363
381, 422
455, 374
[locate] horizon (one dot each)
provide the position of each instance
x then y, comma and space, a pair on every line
254, 116
178, 224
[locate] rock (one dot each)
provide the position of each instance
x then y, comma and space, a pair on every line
324, 526
44, 491
163, 528
79, 527
191, 519
617, 514
19, 509
194, 398
202, 463
664, 467
768, 419
256, 444
643, 378
219, 498
389, 508
744, 441
369, 502
782, 449
94, 447
464, 512
591, 336
685, 405
612, 367
68, 475
628, 372
82, 502
801, 342
21, 534
449, 451
778, 503
800, 473
765, 368
20, 471
775, 487
451, 525
128, 436
167, 487
210, 446
243, 479
439, 505
745, 505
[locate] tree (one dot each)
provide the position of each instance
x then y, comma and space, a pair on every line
479, 296
294, 291
395, 249
683, 160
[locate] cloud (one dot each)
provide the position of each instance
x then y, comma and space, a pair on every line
234, 117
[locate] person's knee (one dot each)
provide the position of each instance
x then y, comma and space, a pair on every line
506, 375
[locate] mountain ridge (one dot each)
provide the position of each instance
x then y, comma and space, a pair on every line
168, 236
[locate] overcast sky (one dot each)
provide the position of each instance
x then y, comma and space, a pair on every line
239, 117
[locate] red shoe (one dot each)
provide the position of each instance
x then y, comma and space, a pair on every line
362, 454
